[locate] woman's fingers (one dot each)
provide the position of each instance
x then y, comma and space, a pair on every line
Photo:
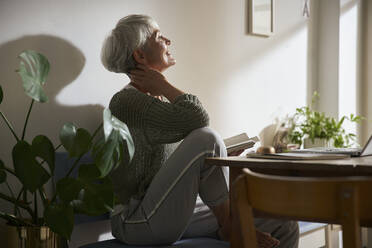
137, 79
236, 153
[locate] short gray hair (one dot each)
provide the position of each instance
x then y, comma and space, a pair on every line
130, 33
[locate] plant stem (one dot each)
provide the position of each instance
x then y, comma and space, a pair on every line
35, 208
57, 147
10, 190
27, 117
24, 194
9, 125
16, 209
17, 203
73, 166
19, 196
68, 174
10, 171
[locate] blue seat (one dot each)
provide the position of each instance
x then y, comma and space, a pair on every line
64, 163
305, 227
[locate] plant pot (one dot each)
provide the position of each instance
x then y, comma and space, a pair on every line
9, 236
308, 143
34, 237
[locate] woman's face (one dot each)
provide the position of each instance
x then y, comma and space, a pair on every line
156, 52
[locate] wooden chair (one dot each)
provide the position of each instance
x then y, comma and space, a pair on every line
343, 200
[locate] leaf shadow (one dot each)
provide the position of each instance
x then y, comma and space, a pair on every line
66, 62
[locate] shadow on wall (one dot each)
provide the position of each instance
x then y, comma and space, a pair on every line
66, 63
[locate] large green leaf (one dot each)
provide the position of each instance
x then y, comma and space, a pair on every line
1, 94
34, 69
27, 168
68, 189
43, 148
111, 123
60, 218
88, 172
67, 135
108, 155
77, 141
96, 198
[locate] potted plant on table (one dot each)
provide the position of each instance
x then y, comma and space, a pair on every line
314, 128
34, 165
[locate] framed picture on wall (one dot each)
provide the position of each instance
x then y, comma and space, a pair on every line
261, 17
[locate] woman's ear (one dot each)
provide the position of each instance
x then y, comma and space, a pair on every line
139, 56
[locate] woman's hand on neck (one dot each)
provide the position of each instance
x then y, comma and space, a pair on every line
143, 91
148, 80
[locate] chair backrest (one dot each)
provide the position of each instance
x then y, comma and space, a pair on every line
343, 200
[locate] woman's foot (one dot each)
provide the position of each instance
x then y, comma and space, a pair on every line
265, 240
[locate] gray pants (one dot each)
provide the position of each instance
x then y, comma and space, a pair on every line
204, 224
169, 211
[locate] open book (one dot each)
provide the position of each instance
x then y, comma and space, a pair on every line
239, 142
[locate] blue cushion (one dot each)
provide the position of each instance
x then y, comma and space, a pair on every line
185, 243
195, 242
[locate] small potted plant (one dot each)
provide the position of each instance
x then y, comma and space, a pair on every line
34, 165
314, 128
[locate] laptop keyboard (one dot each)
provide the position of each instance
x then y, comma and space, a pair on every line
333, 149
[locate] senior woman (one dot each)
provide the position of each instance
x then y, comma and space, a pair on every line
159, 189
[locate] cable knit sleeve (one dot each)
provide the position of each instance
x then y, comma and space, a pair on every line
162, 122
171, 122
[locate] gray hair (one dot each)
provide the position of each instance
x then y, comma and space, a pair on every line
130, 33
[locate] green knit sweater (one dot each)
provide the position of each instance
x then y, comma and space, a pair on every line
155, 126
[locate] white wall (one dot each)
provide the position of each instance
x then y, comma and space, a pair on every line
348, 56
367, 65
244, 81
328, 56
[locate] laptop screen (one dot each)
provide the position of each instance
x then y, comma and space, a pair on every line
367, 150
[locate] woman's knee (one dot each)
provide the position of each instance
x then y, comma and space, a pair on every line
205, 135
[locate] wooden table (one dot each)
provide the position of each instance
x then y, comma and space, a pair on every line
357, 166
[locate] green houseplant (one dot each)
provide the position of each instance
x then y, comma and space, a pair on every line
34, 163
307, 123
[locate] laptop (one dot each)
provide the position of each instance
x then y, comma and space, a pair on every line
353, 152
